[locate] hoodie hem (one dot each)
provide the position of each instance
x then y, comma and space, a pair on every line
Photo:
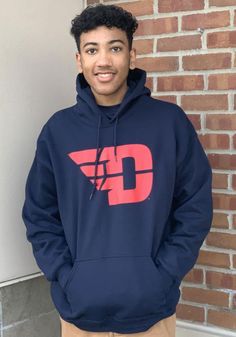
139, 324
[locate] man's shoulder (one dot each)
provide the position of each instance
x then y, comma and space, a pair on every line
165, 108
56, 121
170, 114
60, 115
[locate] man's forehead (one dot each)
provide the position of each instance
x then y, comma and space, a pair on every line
102, 35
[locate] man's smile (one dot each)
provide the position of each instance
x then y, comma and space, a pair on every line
105, 76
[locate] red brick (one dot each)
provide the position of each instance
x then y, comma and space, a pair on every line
137, 8
234, 302
222, 81
158, 63
205, 296
195, 119
206, 20
220, 180
234, 181
204, 102
221, 122
221, 280
224, 201
157, 26
168, 98
170, 6
234, 261
221, 39
207, 61
180, 83
234, 141
214, 141
221, 240
190, 313
220, 220
143, 46
179, 43
222, 318
213, 259
220, 3
194, 276
222, 161
234, 221
149, 83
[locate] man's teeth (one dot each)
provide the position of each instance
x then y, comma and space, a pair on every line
105, 75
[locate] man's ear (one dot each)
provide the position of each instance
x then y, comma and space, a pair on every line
78, 61
132, 58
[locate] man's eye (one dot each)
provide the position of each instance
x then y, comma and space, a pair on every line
116, 49
91, 51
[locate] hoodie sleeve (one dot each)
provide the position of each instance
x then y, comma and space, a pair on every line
41, 216
192, 208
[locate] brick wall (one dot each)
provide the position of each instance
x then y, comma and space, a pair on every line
188, 49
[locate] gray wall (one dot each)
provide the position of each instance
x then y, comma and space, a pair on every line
26, 310
37, 77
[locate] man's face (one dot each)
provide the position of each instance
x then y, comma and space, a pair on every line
105, 60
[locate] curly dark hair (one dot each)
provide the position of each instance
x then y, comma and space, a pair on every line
103, 15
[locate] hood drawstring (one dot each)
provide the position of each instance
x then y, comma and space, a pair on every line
114, 139
97, 157
99, 153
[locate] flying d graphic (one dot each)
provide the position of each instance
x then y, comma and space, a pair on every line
127, 178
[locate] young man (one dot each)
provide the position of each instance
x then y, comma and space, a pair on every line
118, 198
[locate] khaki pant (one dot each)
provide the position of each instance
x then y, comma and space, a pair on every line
164, 328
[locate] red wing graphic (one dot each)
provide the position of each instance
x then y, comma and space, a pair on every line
128, 179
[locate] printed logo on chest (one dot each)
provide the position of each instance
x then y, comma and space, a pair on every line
127, 178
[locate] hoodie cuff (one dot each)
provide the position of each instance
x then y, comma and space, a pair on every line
63, 274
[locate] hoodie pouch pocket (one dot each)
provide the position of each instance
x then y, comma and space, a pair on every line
122, 287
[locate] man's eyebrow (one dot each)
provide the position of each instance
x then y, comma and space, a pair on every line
114, 41
88, 43
95, 43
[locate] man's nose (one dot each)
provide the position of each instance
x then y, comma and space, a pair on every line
103, 59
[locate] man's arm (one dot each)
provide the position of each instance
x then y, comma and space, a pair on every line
41, 216
192, 208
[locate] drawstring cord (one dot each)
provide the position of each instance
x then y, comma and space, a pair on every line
98, 154
96, 165
114, 139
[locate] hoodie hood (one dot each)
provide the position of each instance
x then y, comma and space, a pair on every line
88, 109
91, 114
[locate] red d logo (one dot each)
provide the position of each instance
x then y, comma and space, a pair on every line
127, 180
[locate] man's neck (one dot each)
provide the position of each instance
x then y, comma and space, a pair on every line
109, 100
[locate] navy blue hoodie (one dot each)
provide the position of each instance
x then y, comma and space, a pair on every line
117, 207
